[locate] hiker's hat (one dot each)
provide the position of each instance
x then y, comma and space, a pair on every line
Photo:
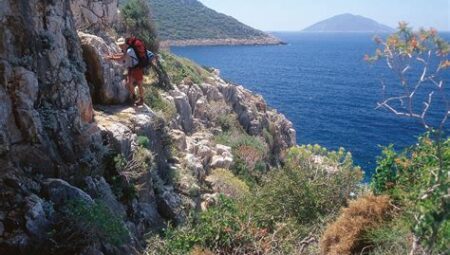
121, 42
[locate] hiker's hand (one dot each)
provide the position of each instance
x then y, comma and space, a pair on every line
108, 57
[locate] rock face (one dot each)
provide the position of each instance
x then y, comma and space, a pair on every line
105, 77
94, 15
45, 97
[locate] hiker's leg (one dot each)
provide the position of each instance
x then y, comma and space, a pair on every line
138, 75
140, 101
130, 86
141, 89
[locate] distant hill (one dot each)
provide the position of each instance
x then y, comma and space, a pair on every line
181, 20
348, 23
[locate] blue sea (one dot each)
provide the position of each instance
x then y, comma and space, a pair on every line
323, 85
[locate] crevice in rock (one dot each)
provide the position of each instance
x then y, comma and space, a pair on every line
94, 73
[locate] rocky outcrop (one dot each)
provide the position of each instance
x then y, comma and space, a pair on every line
46, 105
268, 40
94, 15
105, 77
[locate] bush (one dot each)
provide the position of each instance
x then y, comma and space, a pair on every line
226, 228
309, 189
179, 69
406, 177
143, 142
345, 235
250, 154
155, 101
226, 183
284, 215
97, 222
392, 237
129, 171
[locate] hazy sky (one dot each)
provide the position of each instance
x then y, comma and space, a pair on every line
273, 15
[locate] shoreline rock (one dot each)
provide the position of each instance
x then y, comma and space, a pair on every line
222, 42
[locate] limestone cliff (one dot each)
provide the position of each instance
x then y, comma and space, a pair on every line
71, 153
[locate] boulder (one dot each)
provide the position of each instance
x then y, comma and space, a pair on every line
219, 161
37, 221
178, 139
201, 110
119, 137
59, 192
170, 205
213, 94
105, 77
99, 189
184, 110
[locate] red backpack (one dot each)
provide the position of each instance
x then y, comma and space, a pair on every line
141, 52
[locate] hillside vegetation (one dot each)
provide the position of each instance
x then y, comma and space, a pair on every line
190, 19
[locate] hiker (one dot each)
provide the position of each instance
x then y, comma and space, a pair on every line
138, 58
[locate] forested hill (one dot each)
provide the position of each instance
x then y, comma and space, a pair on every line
190, 19
189, 22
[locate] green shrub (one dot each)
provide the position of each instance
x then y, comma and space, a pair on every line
225, 228
227, 122
392, 237
155, 101
129, 171
98, 221
250, 155
408, 178
143, 141
226, 183
312, 186
179, 68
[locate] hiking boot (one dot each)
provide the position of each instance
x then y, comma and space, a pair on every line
131, 99
140, 101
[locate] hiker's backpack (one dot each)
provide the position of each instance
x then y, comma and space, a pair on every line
144, 56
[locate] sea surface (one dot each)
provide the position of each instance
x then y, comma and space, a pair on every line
323, 85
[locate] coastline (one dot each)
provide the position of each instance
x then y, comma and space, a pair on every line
222, 42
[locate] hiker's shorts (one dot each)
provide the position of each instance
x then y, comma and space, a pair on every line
136, 73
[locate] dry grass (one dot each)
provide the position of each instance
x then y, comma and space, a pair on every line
197, 250
346, 234
250, 155
224, 181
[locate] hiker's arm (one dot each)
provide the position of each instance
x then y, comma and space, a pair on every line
116, 57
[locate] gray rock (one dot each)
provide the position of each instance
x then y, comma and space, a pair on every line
213, 94
219, 161
37, 223
201, 110
2, 228
120, 137
44, 97
99, 189
105, 77
94, 14
170, 205
184, 110
179, 139
59, 192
